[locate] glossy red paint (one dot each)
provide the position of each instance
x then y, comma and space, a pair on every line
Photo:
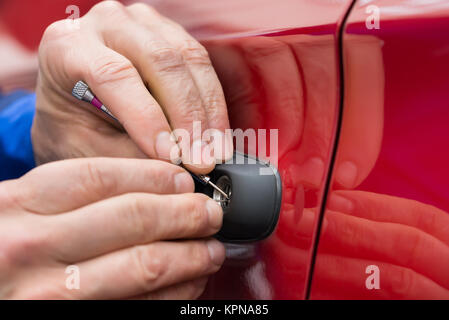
389, 201
26, 20
275, 82
279, 69
279, 65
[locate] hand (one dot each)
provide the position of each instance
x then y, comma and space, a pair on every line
123, 54
406, 239
124, 223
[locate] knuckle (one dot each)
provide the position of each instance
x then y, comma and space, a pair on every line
19, 193
7, 200
402, 281
137, 205
194, 53
215, 103
196, 206
23, 249
164, 58
193, 109
109, 70
416, 241
190, 108
94, 179
162, 173
106, 8
134, 215
143, 9
57, 30
150, 266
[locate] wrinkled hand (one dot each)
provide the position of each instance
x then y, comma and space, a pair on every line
151, 74
124, 223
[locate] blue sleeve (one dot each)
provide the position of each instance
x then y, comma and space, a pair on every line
16, 118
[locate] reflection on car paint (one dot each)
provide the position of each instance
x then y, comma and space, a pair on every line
287, 82
389, 202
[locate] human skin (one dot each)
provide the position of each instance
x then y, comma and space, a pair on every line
133, 227
152, 75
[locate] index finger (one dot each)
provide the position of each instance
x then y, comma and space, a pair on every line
70, 184
119, 86
82, 55
198, 66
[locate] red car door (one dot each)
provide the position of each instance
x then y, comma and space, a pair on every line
279, 64
385, 230
359, 93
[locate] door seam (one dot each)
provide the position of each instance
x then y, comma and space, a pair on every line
340, 32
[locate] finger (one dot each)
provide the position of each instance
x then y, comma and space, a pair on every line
314, 55
189, 290
334, 272
197, 61
113, 78
385, 208
387, 242
142, 269
118, 85
67, 185
163, 69
237, 80
273, 64
133, 219
363, 113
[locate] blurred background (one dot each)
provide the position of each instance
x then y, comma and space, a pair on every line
22, 24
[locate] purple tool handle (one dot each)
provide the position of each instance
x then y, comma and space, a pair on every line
97, 103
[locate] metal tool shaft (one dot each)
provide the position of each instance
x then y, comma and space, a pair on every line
82, 92
206, 179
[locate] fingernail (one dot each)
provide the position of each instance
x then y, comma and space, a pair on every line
340, 204
346, 174
166, 147
222, 144
197, 152
208, 155
202, 154
216, 251
183, 182
175, 155
312, 171
215, 214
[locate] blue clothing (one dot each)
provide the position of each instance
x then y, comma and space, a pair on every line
16, 117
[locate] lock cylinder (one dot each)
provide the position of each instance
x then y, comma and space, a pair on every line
252, 199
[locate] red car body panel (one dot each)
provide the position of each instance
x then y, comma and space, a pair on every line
278, 62
389, 201
363, 120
